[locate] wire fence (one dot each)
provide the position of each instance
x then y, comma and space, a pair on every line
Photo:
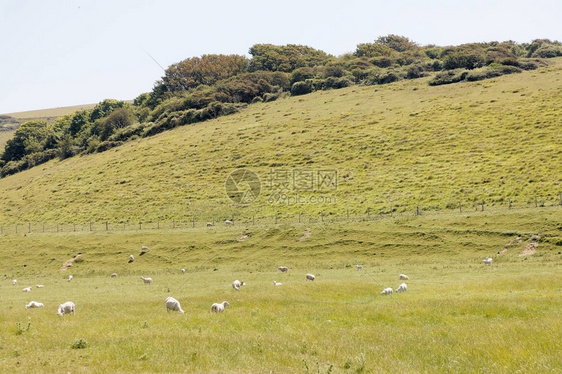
234, 221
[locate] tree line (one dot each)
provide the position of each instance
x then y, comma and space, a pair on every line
201, 88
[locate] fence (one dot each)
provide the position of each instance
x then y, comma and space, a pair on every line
192, 222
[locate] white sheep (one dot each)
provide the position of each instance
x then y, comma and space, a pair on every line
228, 222
210, 224
283, 269
70, 277
66, 308
113, 275
359, 267
487, 261
173, 304
146, 280
237, 284
277, 283
27, 289
219, 307
131, 258
402, 288
34, 304
403, 277
14, 282
144, 248
387, 291
310, 277
39, 286
183, 271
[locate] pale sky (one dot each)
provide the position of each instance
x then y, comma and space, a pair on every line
56, 53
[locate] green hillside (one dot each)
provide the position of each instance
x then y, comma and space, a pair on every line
390, 148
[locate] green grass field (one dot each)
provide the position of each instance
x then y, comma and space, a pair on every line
458, 314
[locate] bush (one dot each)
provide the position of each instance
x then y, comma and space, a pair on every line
108, 144
301, 88
79, 344
548, 51
447, 77
491, 71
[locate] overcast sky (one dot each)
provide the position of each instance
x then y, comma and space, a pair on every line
56, 53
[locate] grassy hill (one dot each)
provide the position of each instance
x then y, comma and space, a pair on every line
394, 148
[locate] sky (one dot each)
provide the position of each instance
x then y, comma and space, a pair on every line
57, 53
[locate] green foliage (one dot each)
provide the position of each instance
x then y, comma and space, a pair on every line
79, 344
397, 42
244, 87
448, 76
286, 58
301, 88
30, 137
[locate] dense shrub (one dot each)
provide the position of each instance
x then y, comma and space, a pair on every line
449, 76
301, 88
491, 71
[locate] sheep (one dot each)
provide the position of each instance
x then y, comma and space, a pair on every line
144, 248
70, 277
131, 258
387, 291
27, 289
402, 288
228, 222
173, 304
210, 224
403, 277
39, 286
183, 271
310, 277
277, 283
66, 308
113, 275
359, 267
237, 284
219, 307
283, 269
146, 280
34, 304
14, 282
487, 261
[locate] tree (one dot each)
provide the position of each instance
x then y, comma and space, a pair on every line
285, 58
396, 42
29, 138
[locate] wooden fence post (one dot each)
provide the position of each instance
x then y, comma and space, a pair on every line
482, 205
460, 207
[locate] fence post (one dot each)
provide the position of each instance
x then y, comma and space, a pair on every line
322, 216
194, 222
90, 226
417, 211
482, 205
560, 198
140, 225
158, 224
106, 226
368, 213
300, 213
276, 218
460, 207
536, 201
174, 223
74, 227
509, 200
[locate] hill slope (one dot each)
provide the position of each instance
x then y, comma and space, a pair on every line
392, 147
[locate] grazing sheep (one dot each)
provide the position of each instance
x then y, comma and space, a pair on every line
237, 284
144, 248
359, 267
14, 282
173, 304
283, 269
39, 286
146, 280
70, 277
310, 277
487, 261
183, 271
219, 307
228, 222
34, 304
277, 283
131, 258
402, 288
113, 275
66, 308
27, 289
387, 291
403, 277
210, 224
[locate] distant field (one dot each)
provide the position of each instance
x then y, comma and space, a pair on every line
49, 114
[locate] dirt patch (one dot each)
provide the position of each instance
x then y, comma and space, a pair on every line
516, 240
306, 235
69, 263
531, 247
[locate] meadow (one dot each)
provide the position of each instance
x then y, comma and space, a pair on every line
458, 315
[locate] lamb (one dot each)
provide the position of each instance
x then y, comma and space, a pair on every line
183, 271
14, 282
277, 283
487, 261
402, 288
387, 291
237, 284
173, 304
310, 277
228, 222
219, 307
39, 286
113, 275
131, 258
27, 289
34, 304
146, 280
283, 269
359, 267
70, 277
66, 308
403, 277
